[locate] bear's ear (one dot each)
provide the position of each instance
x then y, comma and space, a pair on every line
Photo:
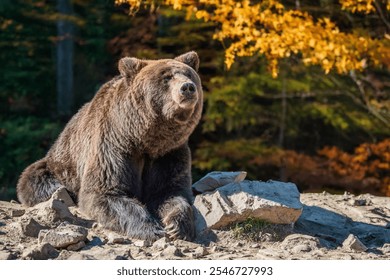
130, 66
191, 59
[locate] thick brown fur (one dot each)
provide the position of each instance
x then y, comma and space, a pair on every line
125, 155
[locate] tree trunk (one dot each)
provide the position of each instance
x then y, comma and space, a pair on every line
283, 167
65, 34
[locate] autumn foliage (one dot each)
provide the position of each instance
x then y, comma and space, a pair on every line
269, 28
364, 6
369, 164
367, 169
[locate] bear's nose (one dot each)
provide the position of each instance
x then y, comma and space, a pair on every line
187, 88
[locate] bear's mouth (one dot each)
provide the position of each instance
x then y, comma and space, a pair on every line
183, 115
188, 102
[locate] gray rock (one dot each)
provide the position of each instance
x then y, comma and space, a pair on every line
63, 195
301, 249
101, 253
215, 249
76, 247
298, 243
64, 255
80, 256
386, 249
218, 179
274, 202
200, 252
41, 252
171, 251
63, 236
30, 227
5, 256
353, 243
346, 257
161, 243
114, 238
51, 211
17, 212
142, 243
358, 202
317, 253
185, 244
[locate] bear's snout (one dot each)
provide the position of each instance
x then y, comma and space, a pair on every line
186, 95
188, 89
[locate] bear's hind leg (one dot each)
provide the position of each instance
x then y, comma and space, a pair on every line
36, 184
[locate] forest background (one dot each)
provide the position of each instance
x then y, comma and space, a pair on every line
294, 90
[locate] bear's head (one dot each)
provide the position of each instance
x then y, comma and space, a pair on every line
169, 88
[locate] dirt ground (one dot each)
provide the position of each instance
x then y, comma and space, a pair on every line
52, 232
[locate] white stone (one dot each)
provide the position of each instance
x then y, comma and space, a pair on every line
30, 227
161, 243
353, 243
200, 252
51, 211
5, 256
218, 179
142, 243
63, 195
40, 252
171, 251
386, 249
63, 236
114, 238
274, 202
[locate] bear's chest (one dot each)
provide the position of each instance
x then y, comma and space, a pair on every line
141, 175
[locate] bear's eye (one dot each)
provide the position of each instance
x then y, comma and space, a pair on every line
167, 78
188, 74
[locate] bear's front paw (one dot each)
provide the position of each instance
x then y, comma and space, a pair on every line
179, 225
154, 234
145, 230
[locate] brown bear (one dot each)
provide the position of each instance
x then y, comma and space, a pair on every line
124, 155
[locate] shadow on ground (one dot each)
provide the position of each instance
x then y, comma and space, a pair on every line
333, 228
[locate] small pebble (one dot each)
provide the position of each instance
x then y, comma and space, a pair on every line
172, 251
142, 243
114, 238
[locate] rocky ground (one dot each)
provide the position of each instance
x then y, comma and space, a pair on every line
330, 227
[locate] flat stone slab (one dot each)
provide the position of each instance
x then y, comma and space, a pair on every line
272, 201
218, 179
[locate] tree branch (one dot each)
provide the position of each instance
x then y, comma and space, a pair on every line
372, 110
381, 14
